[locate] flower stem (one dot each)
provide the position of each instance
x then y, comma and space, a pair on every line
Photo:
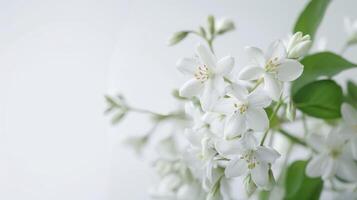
260, 81
271, 117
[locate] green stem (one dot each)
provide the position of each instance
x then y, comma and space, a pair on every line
271, 117
292, 138
260, 81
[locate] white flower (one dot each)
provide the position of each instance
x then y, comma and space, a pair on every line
351, 30
246, 156
273, 67
244, 110
331, 159
298, 45
207, 75
224, 25
349, 115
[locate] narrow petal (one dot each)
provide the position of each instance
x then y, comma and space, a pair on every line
248, 141
209, 96
347, 170
260, 174
257, 119
191, 88
354, 148
219, 85
225, 65
259, 99
238, 91
256, 55
224, 106
187, 65
234, 126
266, 154
349, 114
192, 137
206, 56
272, 86
236, 168
251, 72
329, 168
289, 70
228, 148
314, 167
276, 50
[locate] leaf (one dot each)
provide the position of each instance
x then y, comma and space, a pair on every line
178, 37
300, 187
352, 90
311, 17
118, 117
211, 24
320, 64
321, 99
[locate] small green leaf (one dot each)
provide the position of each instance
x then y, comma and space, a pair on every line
202, 32
321, 99
118, 117
311, 17
300, 187
352, 90
320, 64
211, 24
178, 37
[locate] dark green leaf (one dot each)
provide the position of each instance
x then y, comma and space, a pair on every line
178, 37
320, 64
311, 17
300, 187
321, 99
352, 90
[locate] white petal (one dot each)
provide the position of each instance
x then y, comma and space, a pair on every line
259, 99
289, 70
191, 88
234, 126
238, 91
228, 148
235, 168
266, 154
349, 114
219, 85
257, 119
187, 65
347, 170
209, 96
224, 106
248, 141
354, 148
256, 55
225, 65
272, 86
260, 174
206, 56
276, 50
348, 25
316, 141
192, 137
314, 167
329, 169
251, 72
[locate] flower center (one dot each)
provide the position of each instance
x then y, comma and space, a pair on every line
240, 107
334, 153
250, 158
202, 73
272, 64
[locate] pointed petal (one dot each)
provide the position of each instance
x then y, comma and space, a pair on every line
257, 119
272, 86
260, 174
191, 88
187, 65
234, 126
228, 148
259, 99
329, 169
236, 168
349, 114
316, 141
256, 55
289, 70
224, 106
354, 148
276, 50
347, 170
219, 85
248, 141
206, 56
225, 65
266, 154
251, 72
238, 91
209, 96
314, 167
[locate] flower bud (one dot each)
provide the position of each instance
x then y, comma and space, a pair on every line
249, 185
290, 111
298, 45
225, 25
271, 181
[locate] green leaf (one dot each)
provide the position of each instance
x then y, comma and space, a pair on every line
311, 17
320, 64
118, 117
211, 24
352, 90
300, 187
178, 37
321, 99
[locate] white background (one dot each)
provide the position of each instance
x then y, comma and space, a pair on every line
58, 58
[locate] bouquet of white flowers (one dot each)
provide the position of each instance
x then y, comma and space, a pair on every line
242, 127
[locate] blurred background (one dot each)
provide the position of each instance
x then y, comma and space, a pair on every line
58, 59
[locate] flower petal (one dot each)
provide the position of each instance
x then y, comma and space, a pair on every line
256, 56
224, 106
234, 126
349, 114
236, 168
219, 85
272, 86
347, 170
225, 65
259, 99
209, 96
260, 174
248, 141
276, 50
314, 167
187, 65
257, 119
238, 91
266, 154
329, 168
251, 72
206, 56
354, 148
289, 70
316, 141
228, 148
191, 88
